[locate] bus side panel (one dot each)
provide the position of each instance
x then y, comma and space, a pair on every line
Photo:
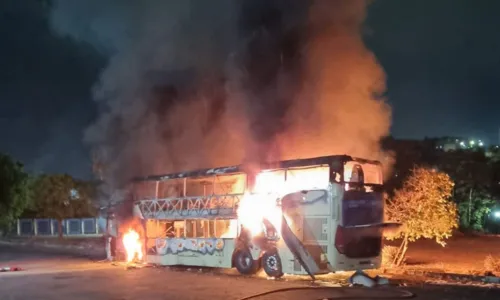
217, 259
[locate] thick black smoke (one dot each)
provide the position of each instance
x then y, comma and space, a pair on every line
193, 84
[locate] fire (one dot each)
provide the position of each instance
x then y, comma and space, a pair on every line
270, 187
132, 244
254, 208
232, 231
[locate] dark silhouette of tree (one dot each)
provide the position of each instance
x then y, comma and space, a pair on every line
15, 191
61, 196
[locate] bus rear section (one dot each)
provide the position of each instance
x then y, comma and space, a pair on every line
359, 231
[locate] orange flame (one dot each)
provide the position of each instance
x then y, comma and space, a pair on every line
271, 186
232, 231
133, 246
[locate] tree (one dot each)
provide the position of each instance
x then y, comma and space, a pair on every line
15, 191
475, 184
60, 197
423, 207
474, 206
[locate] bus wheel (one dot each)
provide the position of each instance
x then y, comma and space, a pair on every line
272, 264
244, 262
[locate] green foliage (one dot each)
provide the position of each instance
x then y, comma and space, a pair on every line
475, 184
15, 191
60, 197
423, 207
473, 208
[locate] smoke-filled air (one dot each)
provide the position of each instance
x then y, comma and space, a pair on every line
194, 84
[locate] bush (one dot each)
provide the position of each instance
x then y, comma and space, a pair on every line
389, 254
424, 209
492, 264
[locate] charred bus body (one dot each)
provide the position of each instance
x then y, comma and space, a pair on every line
330, 216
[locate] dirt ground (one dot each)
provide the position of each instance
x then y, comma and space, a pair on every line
54, 277
462, 254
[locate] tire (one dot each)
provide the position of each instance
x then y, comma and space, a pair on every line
244, 262
271, 262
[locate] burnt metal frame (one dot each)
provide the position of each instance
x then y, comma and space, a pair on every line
203, 207
216, 206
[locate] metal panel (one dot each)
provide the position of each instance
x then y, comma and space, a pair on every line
74, 226
315, 229
26, 227
43, 226
89, 226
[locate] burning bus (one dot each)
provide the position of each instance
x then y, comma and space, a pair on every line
304, 216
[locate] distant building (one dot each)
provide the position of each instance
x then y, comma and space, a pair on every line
456, 143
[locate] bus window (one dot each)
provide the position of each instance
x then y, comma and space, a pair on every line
156, 229
196, 187
211, 228
225, 228
169, 229
195, 228
190, 229
308, 178
269, 182
355, 172
200, 229
170, 188
179, 229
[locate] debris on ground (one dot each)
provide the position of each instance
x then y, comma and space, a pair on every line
361, 278
131, 265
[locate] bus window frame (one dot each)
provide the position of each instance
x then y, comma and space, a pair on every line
361, 163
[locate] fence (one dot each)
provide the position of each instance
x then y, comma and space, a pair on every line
70, 227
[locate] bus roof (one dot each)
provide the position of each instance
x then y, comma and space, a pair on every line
336, 161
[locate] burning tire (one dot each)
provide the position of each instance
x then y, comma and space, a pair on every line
271, 262
244, 262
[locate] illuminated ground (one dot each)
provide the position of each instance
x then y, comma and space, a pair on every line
56, 277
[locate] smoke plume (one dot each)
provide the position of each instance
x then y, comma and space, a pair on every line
192, 84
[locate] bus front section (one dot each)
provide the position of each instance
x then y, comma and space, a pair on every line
336, 222
360, 222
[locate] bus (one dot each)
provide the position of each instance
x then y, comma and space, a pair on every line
304, 216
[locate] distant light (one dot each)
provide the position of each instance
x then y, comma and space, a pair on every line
73, 193
462, 144
472, 142
496, 214
480, 144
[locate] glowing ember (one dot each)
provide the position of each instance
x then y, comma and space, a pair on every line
132, 244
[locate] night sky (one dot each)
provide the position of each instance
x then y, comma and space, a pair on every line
441, 58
